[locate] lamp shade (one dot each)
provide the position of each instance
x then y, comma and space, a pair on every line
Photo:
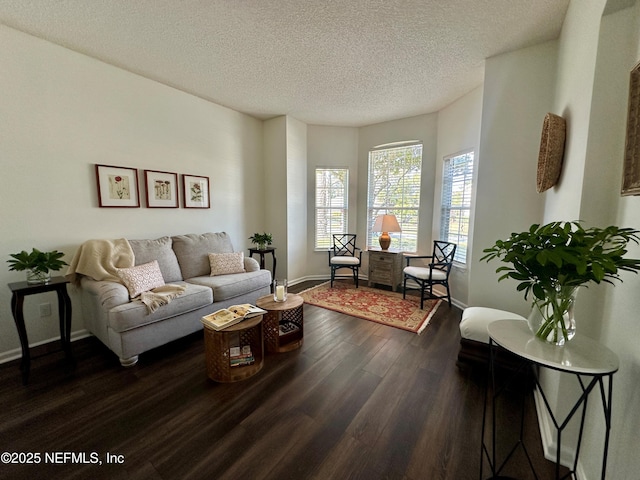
386, 223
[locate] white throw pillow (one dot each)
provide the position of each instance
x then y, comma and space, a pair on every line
141, 278
225, 263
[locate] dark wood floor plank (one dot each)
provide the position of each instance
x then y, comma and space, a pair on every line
358, 400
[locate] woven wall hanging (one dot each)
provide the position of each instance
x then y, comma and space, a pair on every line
551, 152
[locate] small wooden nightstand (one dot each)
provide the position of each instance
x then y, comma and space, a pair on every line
385, 267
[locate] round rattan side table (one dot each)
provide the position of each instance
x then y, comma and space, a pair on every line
218, 345
283, 323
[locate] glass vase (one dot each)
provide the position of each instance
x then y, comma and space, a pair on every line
37, 276
280, 290
552, 319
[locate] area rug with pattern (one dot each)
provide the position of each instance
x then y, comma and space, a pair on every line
381, 306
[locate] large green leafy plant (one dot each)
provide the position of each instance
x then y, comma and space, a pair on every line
40, 263
552, 260
261, 239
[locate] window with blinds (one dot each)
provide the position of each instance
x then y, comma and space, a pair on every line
457, 188
394, 188
332, 196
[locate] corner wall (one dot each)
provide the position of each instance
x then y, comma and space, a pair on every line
458, 130
610, 313
62, 113
329, 147
423, 128
518, 92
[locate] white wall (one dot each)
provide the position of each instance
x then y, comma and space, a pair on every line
62, 112
518, 92
275, 185
458, 130
574, 86
329, 147
610, 314
297, 242
423, 128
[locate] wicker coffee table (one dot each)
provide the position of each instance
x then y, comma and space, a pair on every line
283, 323
218, 345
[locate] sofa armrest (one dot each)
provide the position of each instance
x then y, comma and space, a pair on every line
251, 264
106, 294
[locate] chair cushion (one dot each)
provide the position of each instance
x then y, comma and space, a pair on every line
473, 325
423, 273
344, 260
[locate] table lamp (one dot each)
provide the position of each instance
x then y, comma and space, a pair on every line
386, 224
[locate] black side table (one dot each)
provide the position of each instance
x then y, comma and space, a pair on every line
591, 363
262, 253
21, 290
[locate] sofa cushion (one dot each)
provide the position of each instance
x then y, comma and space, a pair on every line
226, 263
160, 249
225, 287
141, 278
193, 251
135, 314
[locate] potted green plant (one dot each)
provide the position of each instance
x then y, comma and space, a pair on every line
261, 240
552, 261
37, 264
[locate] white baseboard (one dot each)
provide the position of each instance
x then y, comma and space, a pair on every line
16, 353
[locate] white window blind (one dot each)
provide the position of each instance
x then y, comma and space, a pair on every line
457, 188
394, 188
332, 196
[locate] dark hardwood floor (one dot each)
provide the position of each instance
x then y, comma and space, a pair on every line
358, 401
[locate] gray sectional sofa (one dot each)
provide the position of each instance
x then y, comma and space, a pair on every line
127, 326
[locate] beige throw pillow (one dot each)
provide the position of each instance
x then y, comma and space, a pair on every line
225, 263
141, 278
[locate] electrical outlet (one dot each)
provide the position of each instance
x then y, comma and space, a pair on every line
45, 309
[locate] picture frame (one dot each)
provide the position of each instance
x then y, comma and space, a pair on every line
195, 191
631, 169
161, 189
117, 186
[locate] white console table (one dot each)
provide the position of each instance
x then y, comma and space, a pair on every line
589, 361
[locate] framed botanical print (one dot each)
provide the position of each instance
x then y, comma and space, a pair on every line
117, 186
195, 191
162, 189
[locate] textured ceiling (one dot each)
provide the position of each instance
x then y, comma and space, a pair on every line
327, 62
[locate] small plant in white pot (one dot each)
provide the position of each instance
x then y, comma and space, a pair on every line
37, 264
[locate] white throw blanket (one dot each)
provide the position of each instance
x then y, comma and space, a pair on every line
100, 259
160, 296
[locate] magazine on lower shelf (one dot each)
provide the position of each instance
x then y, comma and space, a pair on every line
226, 317
239, 356
288, 327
